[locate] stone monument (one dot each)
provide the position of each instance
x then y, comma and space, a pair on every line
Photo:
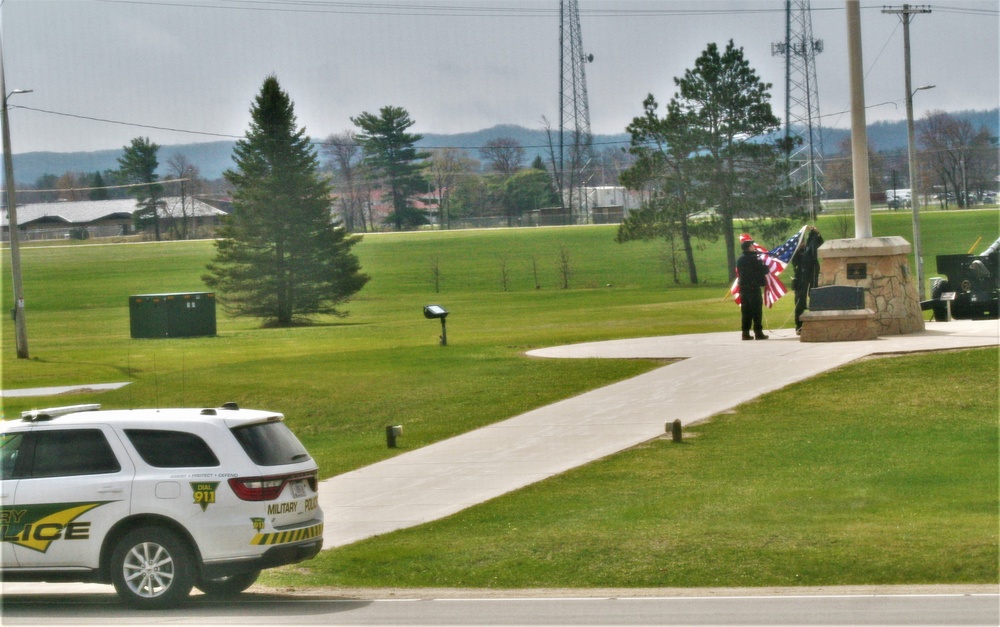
880, 267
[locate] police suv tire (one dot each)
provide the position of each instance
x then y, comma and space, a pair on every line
152, 568
229, 585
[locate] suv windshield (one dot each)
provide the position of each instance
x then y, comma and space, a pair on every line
271, 444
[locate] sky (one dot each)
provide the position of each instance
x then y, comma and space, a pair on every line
182, 71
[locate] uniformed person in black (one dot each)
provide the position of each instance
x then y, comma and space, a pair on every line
752, 277
805, 262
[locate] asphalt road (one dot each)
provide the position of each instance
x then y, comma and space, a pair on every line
938, 605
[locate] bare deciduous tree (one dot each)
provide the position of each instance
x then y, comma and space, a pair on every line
565, 267
344, 156
961, 157
179, 167
447, 166
504, 155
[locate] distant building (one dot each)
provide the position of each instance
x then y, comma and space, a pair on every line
105, 218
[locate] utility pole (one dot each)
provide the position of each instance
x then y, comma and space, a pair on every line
905, 15
20, 327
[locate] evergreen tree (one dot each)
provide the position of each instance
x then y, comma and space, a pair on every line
706, 162
390, 154
48, 183
100, 190
728, 109
280, 256
138, 164
664, 149
527, 190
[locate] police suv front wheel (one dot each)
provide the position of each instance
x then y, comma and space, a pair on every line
152, 568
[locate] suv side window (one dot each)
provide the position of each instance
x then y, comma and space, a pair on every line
70, 452
171, 449
10, 445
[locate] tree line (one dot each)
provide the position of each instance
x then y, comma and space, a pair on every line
712, 160
957, 163
447, 183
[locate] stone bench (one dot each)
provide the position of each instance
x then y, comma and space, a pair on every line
837, 313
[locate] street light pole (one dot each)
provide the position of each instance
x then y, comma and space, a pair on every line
20, 327
914, 182
905, 14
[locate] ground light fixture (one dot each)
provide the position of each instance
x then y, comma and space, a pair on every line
432, 312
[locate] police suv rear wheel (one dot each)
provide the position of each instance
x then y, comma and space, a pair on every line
229, 585
152, 568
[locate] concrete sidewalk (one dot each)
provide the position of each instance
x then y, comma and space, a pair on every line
713, 376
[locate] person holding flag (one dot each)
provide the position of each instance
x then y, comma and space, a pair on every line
751, 277
774, 262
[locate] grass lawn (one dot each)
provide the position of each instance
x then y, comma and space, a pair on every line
340, 381
796, 488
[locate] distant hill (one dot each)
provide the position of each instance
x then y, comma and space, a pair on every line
891, 136
213, 158
535, 141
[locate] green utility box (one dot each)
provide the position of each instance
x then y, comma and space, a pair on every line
189, 314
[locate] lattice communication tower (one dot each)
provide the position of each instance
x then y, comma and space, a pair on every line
574, 111
802, 116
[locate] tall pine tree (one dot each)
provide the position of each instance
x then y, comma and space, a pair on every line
280, 256
137, 166
391, 155
728, 112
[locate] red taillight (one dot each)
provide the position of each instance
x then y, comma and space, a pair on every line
267, 488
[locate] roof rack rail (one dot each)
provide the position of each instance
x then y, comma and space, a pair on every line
36, 415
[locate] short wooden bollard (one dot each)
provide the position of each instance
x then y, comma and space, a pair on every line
391, 433
675, 430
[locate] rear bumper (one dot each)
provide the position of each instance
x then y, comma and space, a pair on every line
279, 555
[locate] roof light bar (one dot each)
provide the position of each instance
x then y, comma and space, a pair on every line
54, 412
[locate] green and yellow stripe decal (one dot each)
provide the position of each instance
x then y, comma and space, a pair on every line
286, 537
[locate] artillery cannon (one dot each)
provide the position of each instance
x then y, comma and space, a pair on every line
975, 282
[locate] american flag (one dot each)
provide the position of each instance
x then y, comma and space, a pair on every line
784, 252
776, 260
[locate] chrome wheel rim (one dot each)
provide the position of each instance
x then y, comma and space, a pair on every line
148, 569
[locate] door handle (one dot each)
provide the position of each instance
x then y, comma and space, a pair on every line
110, 490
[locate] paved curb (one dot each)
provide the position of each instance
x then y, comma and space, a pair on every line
62, 390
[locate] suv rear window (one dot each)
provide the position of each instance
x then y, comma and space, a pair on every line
171, 449
271, 444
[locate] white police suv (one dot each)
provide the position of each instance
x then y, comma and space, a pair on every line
155, 501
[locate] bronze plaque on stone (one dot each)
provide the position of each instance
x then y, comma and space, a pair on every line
857, 271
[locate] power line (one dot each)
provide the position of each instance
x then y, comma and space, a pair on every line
434, 10
89, 189
227, 136
133, 124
